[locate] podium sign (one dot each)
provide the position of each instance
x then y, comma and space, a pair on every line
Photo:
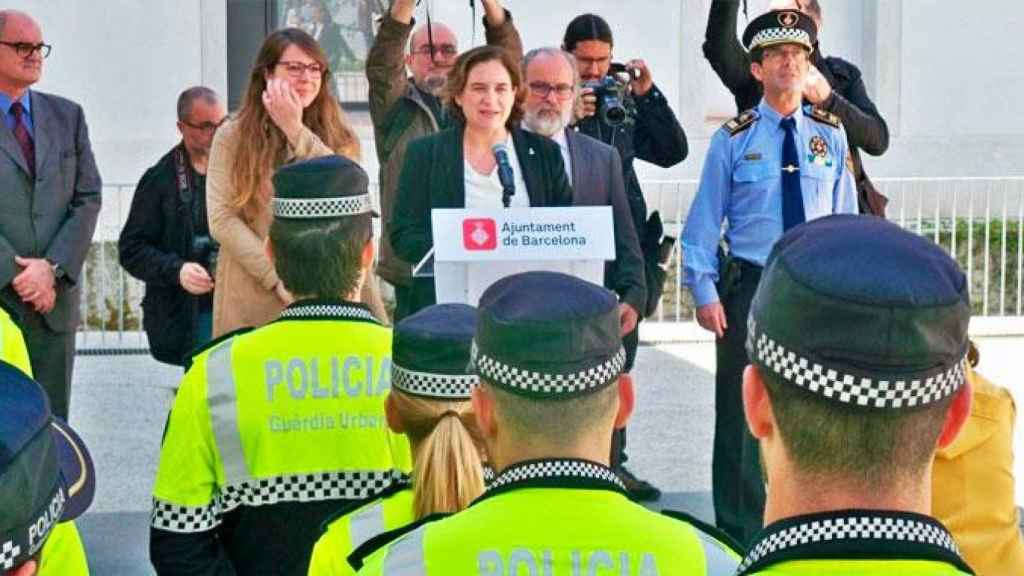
475, 248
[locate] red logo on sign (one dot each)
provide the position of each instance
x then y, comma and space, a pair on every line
479, 234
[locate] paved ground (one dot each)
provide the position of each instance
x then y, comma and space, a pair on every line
120, 403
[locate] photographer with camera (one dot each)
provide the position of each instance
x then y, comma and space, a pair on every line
621, 106
166, 241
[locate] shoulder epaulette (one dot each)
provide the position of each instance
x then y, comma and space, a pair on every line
360, 554
354, 505
740, 123
825, 117
213, 343
717, 533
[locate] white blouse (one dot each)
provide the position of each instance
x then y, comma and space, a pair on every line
484, 190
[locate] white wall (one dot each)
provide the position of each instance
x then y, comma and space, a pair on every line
951, 105
125, 62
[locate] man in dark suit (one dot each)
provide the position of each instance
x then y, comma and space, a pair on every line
48, 209
595, 171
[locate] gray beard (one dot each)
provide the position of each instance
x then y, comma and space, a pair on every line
546, 125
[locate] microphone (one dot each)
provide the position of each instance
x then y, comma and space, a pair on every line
505, 174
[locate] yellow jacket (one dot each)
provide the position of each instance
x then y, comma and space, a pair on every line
973, 487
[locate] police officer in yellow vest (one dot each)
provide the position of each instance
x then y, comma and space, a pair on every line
430, 403
274, 428
549, 356
46, 481
858, 343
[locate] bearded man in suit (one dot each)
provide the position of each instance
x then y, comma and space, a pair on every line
595, 171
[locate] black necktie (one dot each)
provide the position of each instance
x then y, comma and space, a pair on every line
23, 137
792, 197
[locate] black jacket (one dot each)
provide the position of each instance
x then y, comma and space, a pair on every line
865, 128
154, 244
654, 135
433, 176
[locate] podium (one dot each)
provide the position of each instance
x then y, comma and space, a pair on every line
475, 248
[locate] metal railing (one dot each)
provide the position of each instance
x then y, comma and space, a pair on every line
978, 220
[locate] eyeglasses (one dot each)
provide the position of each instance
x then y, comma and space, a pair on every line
446, 50
26, 49
206, 126
295, 69
542, 89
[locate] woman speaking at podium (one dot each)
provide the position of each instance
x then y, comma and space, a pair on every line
484, 161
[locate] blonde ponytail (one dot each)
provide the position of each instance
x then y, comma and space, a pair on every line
448, 471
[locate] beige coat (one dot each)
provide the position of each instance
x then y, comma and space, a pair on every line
245, 277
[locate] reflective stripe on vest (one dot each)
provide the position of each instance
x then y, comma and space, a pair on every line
223, 402
405, 557
366, 524
716, 560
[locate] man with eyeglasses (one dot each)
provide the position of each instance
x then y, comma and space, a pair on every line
766, 171
166, 241
406, 106
48, 209
594, 169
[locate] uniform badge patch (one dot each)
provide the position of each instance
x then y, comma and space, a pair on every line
789, 19
819, 152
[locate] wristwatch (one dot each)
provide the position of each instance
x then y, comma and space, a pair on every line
58, 272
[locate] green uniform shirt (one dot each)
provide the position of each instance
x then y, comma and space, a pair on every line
353, 528
855, 543
290, 412
553, 517
63, 553
12, 344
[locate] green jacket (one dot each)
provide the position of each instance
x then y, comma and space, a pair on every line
434, 177
400, 115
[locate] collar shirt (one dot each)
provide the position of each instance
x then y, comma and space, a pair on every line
741, 187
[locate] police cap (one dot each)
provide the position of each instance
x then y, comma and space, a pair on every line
325, 187
781, 27
430, 352
859, 311
548, 335
46, 473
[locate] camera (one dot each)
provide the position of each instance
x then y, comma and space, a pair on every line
610, 92
205, 251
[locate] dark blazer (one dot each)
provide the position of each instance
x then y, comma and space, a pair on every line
433, 176
597, 181
54, 216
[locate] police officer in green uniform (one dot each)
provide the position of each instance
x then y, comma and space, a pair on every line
272, 429
46, 481
429, 402
550, 358
858, 339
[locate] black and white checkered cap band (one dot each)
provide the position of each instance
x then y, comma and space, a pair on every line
320, 487
8, 552
775, 36
302, 208
559, 469
431, 385
851, 528
335, 310
849, 388
495, 371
